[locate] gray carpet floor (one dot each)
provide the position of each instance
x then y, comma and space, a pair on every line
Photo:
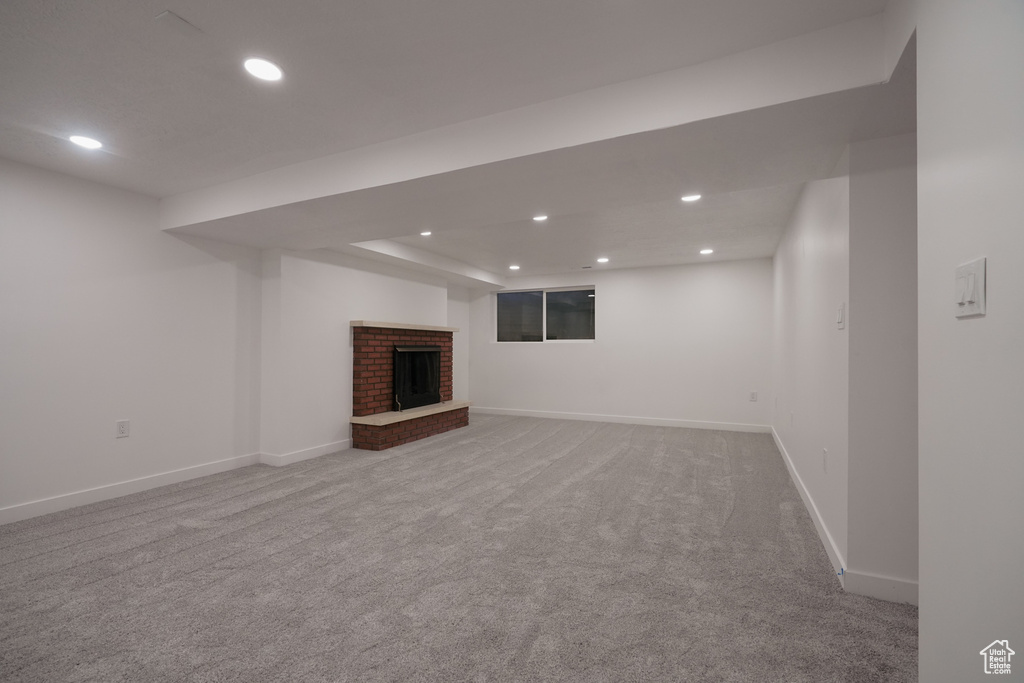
515, 549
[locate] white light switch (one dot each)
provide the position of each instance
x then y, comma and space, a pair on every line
969, 289
841, 317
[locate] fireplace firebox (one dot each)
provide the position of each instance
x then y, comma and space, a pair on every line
417, 376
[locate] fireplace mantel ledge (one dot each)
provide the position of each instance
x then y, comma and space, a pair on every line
382, 419
401, 326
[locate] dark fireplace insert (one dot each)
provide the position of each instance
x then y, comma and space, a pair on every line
417, 373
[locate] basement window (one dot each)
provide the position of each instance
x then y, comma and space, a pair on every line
546, 315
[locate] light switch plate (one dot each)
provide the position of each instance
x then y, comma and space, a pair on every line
969, 289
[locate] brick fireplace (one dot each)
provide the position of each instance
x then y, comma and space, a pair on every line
375, 426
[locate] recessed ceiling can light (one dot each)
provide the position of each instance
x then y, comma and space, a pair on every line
513, 267
262, 69
540, 219
603, 259
705, 252
83, 141
425, 233
691, 198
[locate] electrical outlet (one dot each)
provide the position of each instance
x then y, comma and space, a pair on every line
122, 429
753, 395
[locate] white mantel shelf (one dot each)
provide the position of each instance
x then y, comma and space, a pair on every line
382, 419
401, 326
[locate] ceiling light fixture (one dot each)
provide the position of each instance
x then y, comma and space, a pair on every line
513, 267
425, 233
83, 141
262, 69
540, 219
705, 252
603, 259
691, 198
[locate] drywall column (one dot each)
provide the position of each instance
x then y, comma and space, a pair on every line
271, 387
882, 319
810, 418
458, 316
971, 371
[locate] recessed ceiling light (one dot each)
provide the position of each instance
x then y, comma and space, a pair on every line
691, 198
425, 233
603, 259
540, 219
83, 141
705, 252
262, 69
513, 267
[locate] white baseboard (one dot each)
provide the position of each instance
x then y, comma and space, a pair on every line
306, 454
624, 419
836, 557
852, 580
16, 513
881, 587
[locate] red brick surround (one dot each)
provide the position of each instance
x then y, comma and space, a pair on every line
372, 379
373, 386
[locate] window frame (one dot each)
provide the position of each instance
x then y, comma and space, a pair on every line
544, 315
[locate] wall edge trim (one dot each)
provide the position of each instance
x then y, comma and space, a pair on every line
280, 460
834, 556
887, 588
65, 501
624, 419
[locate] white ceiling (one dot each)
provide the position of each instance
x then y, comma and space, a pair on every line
176, 114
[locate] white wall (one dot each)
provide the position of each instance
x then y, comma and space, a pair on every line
676, 345
309, 300
220, 356
103, 317
882, 537
971, 467
458, 316
810, 363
